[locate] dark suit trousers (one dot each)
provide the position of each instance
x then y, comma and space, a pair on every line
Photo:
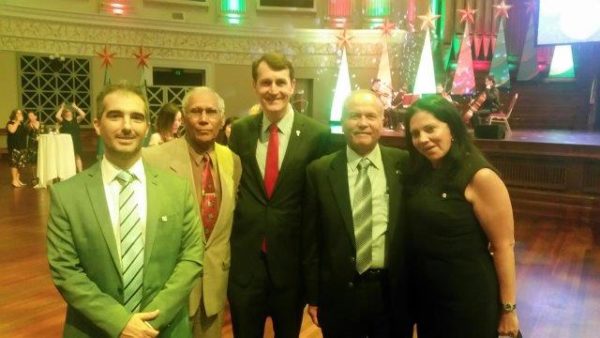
369, 317
251, 304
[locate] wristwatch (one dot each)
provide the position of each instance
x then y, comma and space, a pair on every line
508, 307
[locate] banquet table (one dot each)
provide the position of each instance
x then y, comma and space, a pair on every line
56, 158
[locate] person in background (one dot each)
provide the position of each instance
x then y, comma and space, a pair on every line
215, 172
275, 146
69, 124
33, 132
168, 122
124, 238
225, 132
354, 233
461, 230
490, 104
17, 146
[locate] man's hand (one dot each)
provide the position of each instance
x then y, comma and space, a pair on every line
138, 327
313, 312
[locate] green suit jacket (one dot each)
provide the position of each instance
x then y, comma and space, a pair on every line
84, 262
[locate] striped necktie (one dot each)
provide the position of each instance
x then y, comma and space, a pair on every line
362, 213
132, 246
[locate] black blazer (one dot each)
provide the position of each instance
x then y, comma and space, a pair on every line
278, 219
328, 233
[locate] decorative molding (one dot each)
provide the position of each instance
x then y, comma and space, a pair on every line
84, 34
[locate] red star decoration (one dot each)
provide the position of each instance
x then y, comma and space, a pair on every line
387, 28
344, 39
530, 7
142, 58
106, 56
502, 9
428, 20
467, 14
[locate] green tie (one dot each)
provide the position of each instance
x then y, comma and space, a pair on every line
362, 215
132, 246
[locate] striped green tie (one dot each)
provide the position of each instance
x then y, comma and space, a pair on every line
132, 246
362, 213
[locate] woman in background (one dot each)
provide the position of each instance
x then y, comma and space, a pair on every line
223, 137
69, 124
168, 122
17, 146
33, 132
461, 230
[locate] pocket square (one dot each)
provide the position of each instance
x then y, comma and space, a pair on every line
164, 218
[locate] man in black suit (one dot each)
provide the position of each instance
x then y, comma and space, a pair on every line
353, 231
275, 146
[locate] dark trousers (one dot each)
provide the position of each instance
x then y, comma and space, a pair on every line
251, 304
369, 316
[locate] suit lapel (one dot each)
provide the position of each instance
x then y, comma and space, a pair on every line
153, 202
292, 148
392, 175
225, 168
338, 177
95, 190
254, 135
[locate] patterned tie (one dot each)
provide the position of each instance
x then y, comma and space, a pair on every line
132, 246
209, 205
362, 215
272, 163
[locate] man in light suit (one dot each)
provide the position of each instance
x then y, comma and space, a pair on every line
124, 240
275, 146
203, 116
353, 239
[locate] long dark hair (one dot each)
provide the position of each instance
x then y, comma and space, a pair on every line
164, 121
462, 144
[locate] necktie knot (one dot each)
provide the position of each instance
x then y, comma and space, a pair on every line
206, 159
363, 164
273, 129
124, 177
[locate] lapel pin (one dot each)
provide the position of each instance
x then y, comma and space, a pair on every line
397, 172
444, 195
297, 132
163, 218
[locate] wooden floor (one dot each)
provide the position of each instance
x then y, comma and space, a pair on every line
558, 274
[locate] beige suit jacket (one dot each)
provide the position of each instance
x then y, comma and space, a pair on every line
211, 288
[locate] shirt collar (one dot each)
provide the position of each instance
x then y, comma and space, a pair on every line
197, 158
374, 156
284, 125
110, 171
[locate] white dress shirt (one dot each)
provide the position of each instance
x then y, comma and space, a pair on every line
111, 191
380, 195
285, 131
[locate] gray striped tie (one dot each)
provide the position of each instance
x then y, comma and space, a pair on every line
362, 214
132, 246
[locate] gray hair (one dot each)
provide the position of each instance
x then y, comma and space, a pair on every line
201, 90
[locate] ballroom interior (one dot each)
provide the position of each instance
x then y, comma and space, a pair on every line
547, 149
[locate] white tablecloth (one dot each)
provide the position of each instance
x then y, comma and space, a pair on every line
56, 158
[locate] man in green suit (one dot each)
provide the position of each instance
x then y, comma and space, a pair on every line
275, 146
354, 233
203, 112
124, 241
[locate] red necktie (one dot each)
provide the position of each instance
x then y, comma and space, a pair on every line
271, 168
272, 165
209, 208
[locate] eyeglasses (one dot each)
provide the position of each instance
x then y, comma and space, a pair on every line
210, 112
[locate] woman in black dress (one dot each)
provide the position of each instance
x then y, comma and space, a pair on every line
17, 146
69, 124
33, 127
461, 228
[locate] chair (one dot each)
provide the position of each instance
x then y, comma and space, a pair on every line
502, 115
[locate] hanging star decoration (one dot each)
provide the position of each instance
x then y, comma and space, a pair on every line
344, 39
106, 56
502, 9
467, 14
530, 7
428, 20
142, 58
387, 28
